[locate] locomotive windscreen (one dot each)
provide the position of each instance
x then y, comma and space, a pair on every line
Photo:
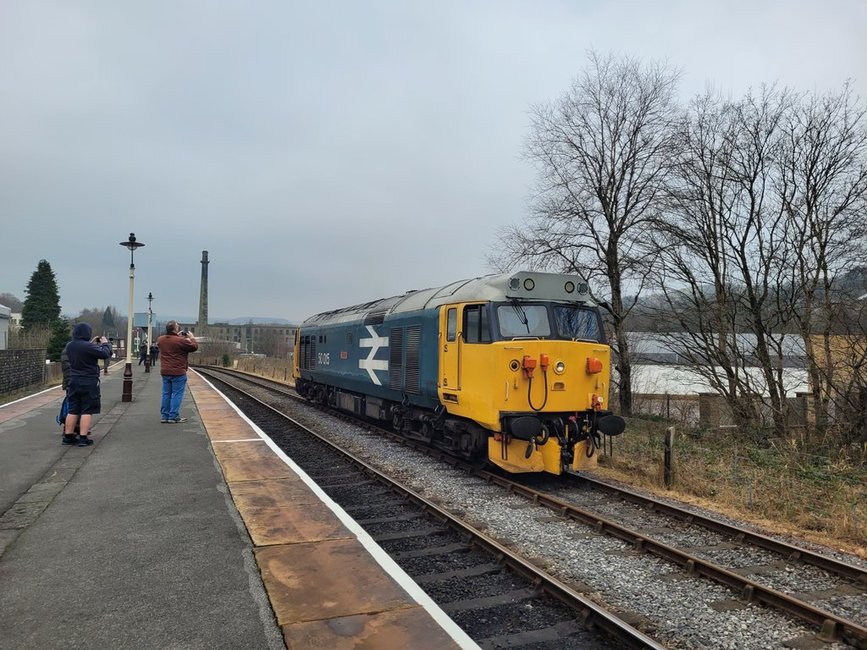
577, 323
570, 322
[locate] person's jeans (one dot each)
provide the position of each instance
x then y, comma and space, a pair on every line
173, 393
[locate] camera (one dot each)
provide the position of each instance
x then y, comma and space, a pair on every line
184, 333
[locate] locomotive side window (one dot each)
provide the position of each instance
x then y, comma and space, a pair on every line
578, 323
517, 320
477, 328
452, 327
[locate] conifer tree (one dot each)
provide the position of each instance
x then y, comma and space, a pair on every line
60, 336
108, 324
42, 304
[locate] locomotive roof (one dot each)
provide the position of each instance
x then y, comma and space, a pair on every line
522, 285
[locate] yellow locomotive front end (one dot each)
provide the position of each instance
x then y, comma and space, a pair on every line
533, 369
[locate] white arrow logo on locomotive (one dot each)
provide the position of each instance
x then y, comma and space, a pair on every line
370, 364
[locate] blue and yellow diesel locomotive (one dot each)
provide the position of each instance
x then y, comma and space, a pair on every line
513, 368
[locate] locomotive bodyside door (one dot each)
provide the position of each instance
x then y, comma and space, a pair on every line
296, 355
450, 348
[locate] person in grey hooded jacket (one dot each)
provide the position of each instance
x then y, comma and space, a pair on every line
83, 387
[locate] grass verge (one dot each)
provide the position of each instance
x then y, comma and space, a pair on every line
783, 485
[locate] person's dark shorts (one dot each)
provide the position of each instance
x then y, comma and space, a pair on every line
83, 395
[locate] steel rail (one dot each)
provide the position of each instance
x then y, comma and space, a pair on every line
837, 567
831, 627
590, 613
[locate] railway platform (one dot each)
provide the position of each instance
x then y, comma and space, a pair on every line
199, 534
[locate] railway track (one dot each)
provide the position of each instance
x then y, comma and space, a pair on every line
756, 568
498, 598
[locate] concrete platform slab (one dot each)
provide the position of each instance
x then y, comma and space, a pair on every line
393, 630
141, 540
313, 581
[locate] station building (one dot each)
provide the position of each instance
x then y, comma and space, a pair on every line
5, 322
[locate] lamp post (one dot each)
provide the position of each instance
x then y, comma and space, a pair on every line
148, 358
131, 244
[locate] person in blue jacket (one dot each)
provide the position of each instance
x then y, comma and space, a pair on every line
83, 388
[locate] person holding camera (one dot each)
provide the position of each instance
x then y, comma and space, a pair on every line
174, 347
107, 362
82, 390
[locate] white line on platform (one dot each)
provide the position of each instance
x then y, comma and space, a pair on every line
29, 396
382, 558
241, 440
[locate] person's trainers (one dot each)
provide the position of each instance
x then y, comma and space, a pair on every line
68, 440
163, 421
178, 420
84, 441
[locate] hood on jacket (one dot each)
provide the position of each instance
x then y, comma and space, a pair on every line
82, 331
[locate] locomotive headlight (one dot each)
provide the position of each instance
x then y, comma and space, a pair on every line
559, 367
529, 285
569, 286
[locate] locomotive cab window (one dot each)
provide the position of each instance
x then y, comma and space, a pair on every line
477, 328
578, 323
452, 325
519, 320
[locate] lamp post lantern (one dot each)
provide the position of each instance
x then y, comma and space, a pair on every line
131, 244
149, 357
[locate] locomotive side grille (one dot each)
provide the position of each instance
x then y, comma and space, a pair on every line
308, 354
312, 359
395, 358
413, 343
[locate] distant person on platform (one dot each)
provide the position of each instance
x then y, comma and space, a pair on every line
83, 387
106, 362
155, 353
142, 353
174, 347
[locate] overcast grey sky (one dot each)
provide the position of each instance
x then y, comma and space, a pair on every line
324, 153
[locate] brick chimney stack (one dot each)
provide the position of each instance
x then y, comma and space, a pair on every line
203, 298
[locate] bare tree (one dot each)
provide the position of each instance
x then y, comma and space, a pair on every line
723, 244
602, 152
92, 317
11, 301
268, 342
767, 208
822, 185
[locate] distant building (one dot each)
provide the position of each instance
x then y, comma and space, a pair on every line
5, 322
15, 321
250, 338
671, 348
660, 365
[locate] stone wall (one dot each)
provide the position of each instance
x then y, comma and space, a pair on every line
21, 368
